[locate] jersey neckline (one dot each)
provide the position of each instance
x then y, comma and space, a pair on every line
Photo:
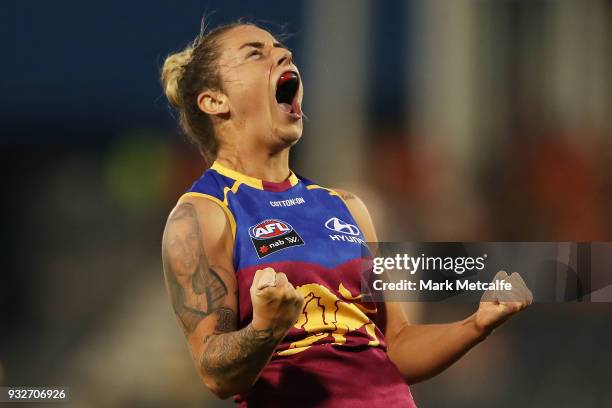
259, 184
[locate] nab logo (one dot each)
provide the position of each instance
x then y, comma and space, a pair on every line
269, 229
272, 235
336, 224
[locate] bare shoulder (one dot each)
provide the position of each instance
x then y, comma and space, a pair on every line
360, 213
198, 216
355, 204
198, 226
210, 214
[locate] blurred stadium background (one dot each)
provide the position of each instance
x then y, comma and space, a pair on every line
453, 120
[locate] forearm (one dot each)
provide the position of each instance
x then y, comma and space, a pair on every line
423, 351
231, 362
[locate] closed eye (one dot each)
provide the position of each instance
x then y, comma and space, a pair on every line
254, 52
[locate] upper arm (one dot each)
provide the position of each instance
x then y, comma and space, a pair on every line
198, 269
395, 315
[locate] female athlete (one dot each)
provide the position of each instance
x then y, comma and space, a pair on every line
263, 266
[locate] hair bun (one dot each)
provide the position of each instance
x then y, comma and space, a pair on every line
172, 71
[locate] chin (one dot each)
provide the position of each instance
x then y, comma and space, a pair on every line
291, 139
290, 135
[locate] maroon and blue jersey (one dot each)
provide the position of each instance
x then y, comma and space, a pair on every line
335, 354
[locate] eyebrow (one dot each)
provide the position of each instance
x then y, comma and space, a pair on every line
260, 45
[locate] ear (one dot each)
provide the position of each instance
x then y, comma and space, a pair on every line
213, 102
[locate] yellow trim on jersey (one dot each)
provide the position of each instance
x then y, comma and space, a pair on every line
293, 180
234, 189
249, 181
244, 179
224, 207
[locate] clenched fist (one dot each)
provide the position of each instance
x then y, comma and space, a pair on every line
276, 303
497, 306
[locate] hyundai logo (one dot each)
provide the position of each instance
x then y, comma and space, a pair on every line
338, 225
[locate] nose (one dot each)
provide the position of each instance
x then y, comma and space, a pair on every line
285, 57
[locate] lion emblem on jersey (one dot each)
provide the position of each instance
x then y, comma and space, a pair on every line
326, 316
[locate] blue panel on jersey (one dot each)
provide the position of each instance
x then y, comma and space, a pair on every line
303, 223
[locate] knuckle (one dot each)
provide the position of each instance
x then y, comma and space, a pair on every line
289, 294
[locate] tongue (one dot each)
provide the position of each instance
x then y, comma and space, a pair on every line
296, 106
285, 107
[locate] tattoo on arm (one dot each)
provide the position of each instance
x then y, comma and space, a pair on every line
346, 195
238, 354
226, 320
195, 287
232, 358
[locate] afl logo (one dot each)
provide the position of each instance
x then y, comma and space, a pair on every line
272, 235
270, 229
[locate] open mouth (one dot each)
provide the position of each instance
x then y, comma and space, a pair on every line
286, 94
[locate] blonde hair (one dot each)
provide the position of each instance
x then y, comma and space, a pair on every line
185, 74
172, 71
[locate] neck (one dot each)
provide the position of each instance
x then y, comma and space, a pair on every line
256, 162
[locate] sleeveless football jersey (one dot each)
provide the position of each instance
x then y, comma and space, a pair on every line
335, 354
